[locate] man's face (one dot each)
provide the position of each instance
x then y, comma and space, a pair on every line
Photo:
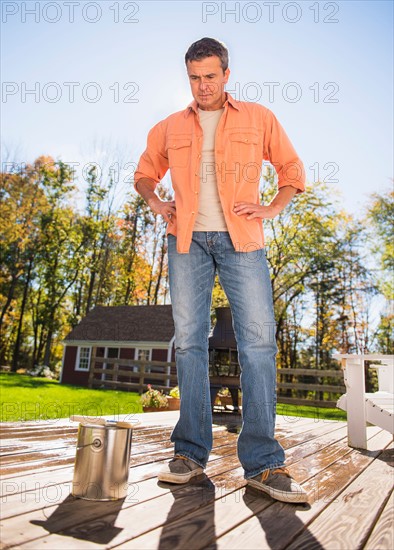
207, 82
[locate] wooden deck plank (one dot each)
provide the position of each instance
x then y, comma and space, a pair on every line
382, 535
143, 423
170, 533
289, 441
43, 480
41, 488
48, 459
356, 506
229, 511
277, 526
219, 507
74, 514
66, 455
224, 447
48, 495
64, 542
41, 443
56, 442
29, 482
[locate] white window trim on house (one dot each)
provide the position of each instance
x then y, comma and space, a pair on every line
62, 368
77, 361
169, 353
136, 351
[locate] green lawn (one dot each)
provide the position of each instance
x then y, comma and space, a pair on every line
310, 412
29, 398
25, 398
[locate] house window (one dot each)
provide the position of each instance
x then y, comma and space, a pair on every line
83, 359
113, 353
110, 353
143, 355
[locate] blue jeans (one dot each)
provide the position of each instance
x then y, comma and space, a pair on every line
245, 279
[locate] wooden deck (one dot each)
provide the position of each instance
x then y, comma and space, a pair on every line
351, 492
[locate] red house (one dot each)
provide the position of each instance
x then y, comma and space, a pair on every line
139, 333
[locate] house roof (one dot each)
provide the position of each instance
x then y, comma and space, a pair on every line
125, 323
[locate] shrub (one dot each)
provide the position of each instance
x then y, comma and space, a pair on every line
43, 371
154, 398
175, 392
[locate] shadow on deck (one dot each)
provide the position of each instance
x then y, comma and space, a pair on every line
351, 492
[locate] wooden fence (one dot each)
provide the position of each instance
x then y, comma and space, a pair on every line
310, 386
129, 374
316, 387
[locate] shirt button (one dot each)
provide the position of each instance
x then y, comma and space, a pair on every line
196, 192
193, 212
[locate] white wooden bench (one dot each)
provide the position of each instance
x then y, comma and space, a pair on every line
375, 408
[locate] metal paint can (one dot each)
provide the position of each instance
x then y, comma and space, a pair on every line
102, 462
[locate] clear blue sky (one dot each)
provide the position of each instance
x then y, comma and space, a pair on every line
342, 49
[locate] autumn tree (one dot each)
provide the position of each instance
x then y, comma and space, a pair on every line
23, 200
380, 218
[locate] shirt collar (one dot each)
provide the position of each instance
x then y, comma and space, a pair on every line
193, 106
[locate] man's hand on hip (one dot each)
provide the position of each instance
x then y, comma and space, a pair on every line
145, 187
164, 208
254, 210
278, 203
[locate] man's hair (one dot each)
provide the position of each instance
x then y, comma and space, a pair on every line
207, 47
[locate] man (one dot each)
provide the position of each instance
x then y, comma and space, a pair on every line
214, 150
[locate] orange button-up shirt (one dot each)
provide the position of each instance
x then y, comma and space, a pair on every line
247, 134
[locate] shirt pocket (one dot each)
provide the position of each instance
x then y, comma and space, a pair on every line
246, 146
178, 151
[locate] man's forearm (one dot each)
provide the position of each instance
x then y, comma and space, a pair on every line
282, 199
145, 187
269, 211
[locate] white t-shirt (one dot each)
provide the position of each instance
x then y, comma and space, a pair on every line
210, 213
